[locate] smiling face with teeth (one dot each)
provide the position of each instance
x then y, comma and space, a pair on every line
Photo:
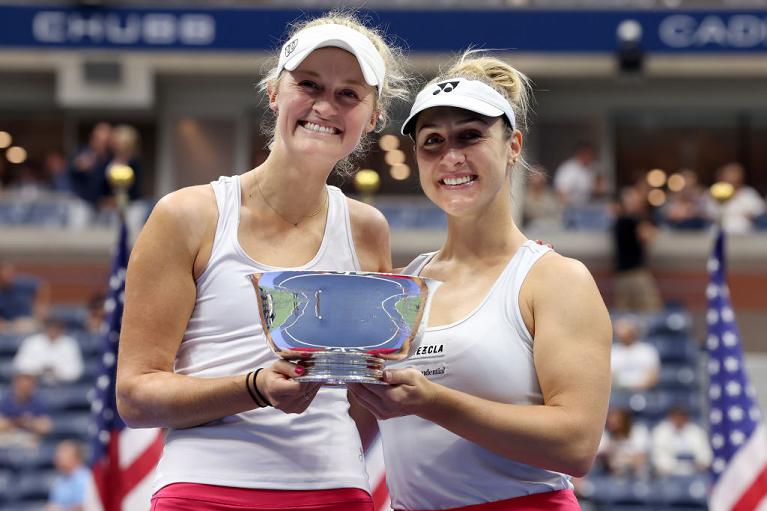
324, 107
464, 159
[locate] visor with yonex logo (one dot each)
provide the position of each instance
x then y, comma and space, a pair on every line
471, 95
339, 36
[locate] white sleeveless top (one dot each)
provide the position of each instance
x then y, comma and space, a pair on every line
489, 354
263, 448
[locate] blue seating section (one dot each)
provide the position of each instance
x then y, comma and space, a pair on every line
588, 217
679, 384
26, 474
56, 211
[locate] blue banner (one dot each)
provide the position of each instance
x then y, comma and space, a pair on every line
240, 29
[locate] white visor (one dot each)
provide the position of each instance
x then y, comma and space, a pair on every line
339, 36
471, 95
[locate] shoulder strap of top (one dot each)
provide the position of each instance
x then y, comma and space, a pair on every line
339, 228
227, 192
514, 275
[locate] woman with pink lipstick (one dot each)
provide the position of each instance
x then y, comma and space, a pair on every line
193, 357
512, 397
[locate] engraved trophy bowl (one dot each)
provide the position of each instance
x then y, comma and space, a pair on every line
342, 326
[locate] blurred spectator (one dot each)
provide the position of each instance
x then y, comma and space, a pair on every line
635, 364
71, 483
679, 446
541, 206
575, 178
686, 209
23, 300
51, 355
739, 211
87, 171
96, 314
26, 182
635, 286
624, 446
57, 172
23, 416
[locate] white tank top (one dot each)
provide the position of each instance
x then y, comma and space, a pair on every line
489, 354
263, 448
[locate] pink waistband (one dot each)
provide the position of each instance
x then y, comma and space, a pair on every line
562, 500
277, 499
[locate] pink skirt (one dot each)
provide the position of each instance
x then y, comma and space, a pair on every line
562, 500
207, 497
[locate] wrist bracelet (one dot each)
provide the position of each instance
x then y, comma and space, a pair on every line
258, 392
250, 391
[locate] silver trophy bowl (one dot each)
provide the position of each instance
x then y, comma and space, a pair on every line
342, 326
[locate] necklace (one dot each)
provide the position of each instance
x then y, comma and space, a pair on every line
303, 217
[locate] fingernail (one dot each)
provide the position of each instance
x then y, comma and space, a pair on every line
299, 370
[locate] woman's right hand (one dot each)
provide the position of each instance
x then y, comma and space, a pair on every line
276, 384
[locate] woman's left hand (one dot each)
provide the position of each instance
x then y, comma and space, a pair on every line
408, 392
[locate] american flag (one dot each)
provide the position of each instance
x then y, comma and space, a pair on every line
738, 436
123, 459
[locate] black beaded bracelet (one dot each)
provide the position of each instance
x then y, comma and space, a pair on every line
250, 391
258, 392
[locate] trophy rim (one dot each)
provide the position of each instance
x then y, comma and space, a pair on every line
399, 354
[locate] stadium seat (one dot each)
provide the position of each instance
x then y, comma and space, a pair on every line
688, 491
7, 483
618, 491
653, 405
72, 425
594, 217
760, 222
73, 396
21, 459
675, 348
9, 344
35, 487
678, 376
90, 344
6, 370
671, 322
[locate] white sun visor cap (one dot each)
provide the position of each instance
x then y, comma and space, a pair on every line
339, 36
471, 95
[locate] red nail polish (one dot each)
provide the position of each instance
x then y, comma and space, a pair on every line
299, 370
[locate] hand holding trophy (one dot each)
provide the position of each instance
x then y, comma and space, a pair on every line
342, 326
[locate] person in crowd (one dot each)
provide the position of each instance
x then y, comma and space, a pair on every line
541, 206
24, 299
87, 169
70, 486
56, 170
94, 320
686, 209
28, 184
680, 447
51, 355
625, 446
635, 364
193, 356
511, 401
633, 233
575, 178
738, 212
24, 417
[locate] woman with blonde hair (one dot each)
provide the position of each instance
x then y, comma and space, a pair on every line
193, 356
511, 400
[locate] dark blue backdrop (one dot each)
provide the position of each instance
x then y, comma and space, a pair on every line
238, 29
